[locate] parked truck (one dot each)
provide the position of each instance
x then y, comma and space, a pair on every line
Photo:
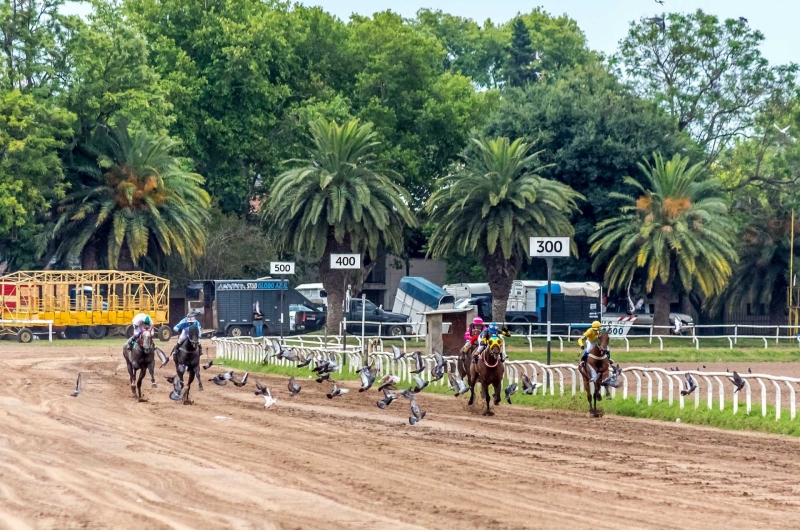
417, 295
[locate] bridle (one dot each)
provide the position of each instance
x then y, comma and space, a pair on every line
486, 362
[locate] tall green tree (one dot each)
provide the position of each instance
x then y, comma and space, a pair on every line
490, 207
341, 199
136, 201
677, 228
520, 68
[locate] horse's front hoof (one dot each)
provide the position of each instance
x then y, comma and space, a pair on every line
201, 389
488, 413
188, 402
142, 400
598, 397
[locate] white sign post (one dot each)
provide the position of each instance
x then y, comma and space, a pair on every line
549, 248
346, 262
281, 268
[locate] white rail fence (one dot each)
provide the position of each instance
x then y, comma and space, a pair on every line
650, 385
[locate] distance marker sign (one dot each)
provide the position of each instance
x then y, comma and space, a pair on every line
549, 247
281, 267
346, 261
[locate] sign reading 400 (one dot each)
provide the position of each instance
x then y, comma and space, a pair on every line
346, 261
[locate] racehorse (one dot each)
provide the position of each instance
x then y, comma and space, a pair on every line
465, 359
595, 371
139, 358
188, 359
489, 371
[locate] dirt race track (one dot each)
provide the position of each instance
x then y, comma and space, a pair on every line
102, 460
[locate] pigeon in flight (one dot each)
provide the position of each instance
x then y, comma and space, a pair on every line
368, 375
528, 386
389, 381
222, 379
510, 391
660, 2
419, 384
162, 357
691, 386
177, 387
268, 399
323, 377
303, 362
261, 390
170, 378
397, 353
538, 55
785, 130
208, 365
420, 366
658, 21
242, 382
737, 381
337, 391
78, 386
294, 388
458, 384
438, 366
743, 20
388, 397
416, 414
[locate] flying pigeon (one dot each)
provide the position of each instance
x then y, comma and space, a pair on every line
261, 390
416, 414
510, 391
737, 381
388, 397
420, 366
208, 364
323, 377
743, 20
691, 386
337, 391
303, 362
389, 381
528, 386
419, 384
78, 386
785, 130
222, 379
397, 353
660, 2
438, 367
162, 357
368, 375
294, 388
242, 382
538, 55
170, 378
268, 399
658, 21
458, 384
177, 387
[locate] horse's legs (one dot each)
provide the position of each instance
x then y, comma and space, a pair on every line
152, 368
472, 377
497, 392
197, 376
485, 392
142, 373
186, 400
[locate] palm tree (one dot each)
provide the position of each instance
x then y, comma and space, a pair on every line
491, 206
677, 228
342, 199
133, 199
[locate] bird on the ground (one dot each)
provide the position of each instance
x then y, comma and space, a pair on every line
268, 399
743, 20
704, 366
222, 379
337, 391
510, 391
208, 364
397, 354
749, 370
658, 21
388, 397
177, 387
294, 388
420, 366
528, 386
690, 387
388, 381
240, 382
457, 384
368, 375
416, 414
785, 130
261, 390
78, 386
438, 366
419, 384
162, 357
737, 381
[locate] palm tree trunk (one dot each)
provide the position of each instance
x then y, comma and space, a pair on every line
501, 273
125, 260
334, 282
662, 293
89, 256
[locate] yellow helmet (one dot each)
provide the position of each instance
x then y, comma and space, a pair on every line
596, 325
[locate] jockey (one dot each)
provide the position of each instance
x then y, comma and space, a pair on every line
473, 332
140, 322
187, 323
590, 338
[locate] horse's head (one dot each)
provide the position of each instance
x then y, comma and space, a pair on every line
603, 339
146, 339
194, 336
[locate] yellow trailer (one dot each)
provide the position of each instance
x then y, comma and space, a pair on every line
81, 301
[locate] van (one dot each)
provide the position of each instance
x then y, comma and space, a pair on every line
315, 293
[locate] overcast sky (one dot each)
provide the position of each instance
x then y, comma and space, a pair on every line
604, 22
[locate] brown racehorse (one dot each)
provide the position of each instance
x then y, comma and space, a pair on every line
489, 371
139, 358
465, 359
596, 371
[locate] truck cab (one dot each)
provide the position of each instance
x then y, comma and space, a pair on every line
385, 322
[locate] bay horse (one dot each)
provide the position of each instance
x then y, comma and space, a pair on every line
595, 371
465, 359
188, 359
139, 358
489, 371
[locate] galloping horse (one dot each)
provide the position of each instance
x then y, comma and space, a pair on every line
489, 371
188, 359
465, 359
595, 371
140, 358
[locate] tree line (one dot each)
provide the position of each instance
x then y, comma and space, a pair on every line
206, 138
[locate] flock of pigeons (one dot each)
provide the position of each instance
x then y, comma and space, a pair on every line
690, 385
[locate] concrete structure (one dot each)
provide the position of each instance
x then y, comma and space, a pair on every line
445, 329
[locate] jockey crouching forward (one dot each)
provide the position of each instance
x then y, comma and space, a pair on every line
189, 322
140, 322
473, 333
588, 340
491, 336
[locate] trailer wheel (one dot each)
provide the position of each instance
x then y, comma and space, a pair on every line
25, 335
164, 333
396, 331
236, 331
96, 332
519, 329
129, 331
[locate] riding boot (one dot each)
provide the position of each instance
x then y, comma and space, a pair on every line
474, 358
178, 347
584, 357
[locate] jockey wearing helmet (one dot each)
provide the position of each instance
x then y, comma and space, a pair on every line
140, 322
187, 323
590, 339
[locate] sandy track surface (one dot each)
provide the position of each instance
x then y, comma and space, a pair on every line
103, 460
